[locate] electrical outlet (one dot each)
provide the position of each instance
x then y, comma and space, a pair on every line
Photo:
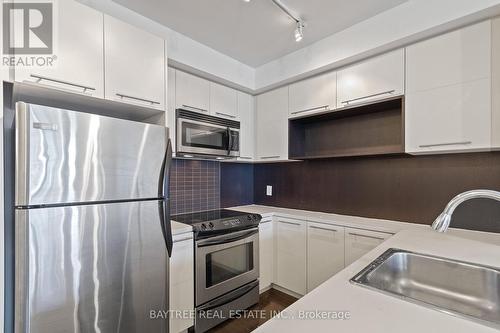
269, 190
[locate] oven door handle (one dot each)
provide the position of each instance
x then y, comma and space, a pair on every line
227, 238
228, 298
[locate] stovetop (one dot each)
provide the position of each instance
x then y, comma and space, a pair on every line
220, 221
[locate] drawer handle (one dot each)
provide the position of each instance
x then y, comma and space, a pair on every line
225, 115
446, 144
137, 99
194, 107
320, 228
44, 78
269, 157
368, 96
287, 222
312, 109
366, 236
245, 158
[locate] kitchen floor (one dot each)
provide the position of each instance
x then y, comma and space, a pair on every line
270, 301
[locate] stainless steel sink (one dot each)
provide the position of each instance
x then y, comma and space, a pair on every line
455, 287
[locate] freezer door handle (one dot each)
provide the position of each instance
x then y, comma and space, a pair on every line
163, 192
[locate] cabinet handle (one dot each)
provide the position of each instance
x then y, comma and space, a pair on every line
320, 228
366, 236
245, 158
446, 144
368, 96
287, 222
194, 107
41, 78
225, 115
312, 109
137, 98
268, 157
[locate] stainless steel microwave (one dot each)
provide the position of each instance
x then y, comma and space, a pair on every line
207, 136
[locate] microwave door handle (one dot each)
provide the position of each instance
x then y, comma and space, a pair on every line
229, 139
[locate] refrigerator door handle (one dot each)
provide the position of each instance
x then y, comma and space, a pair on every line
163, 192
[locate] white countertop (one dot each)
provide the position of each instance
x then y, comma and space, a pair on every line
180, 228
375, 312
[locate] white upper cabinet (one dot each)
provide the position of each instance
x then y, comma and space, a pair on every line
246, 111
272, 125
313, 95
376, 78
79, 51
291, 254
135, 65
170, 116
192, 92
223, 101
325, 252
448, 100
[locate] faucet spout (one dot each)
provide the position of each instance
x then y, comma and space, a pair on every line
442, 222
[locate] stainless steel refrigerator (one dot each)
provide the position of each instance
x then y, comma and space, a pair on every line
92, 224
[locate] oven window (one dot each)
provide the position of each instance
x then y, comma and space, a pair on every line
225, 264
203, 136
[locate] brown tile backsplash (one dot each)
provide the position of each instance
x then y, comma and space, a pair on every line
194, 186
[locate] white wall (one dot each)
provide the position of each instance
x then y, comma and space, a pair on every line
399, 26
184, 52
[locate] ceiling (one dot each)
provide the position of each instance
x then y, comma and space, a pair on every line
256, 32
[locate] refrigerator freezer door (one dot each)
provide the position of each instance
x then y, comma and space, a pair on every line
69, 157
95, 268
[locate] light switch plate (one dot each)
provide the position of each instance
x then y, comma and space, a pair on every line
269, 190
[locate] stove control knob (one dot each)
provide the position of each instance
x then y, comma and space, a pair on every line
249, 217
211, 225
203, 226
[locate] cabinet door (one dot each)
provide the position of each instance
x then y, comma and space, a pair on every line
359, 242
457, 57
325, 252
272, 125
372, 79
223, 101
453, 118
448, 101
134, 65
313, 95
171, 105
192, 92
79, 51
246, 110
291, 254
266, 254
182, 283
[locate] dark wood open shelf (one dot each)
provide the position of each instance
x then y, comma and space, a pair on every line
363, 130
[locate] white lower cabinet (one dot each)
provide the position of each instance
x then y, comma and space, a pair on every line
266, 253
358, 242
291, 254
325, 252
181, 283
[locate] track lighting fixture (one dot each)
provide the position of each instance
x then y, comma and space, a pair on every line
299, 31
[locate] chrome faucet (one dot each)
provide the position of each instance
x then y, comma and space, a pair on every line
442, 222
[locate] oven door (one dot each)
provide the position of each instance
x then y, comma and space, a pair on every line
197, 137
226, 262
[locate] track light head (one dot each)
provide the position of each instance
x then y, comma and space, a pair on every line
299, 31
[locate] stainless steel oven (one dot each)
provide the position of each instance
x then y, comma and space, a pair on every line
205, 135
225, 263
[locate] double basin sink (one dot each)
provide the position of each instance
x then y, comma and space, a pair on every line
459, 288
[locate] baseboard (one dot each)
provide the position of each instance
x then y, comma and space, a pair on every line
286, 291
